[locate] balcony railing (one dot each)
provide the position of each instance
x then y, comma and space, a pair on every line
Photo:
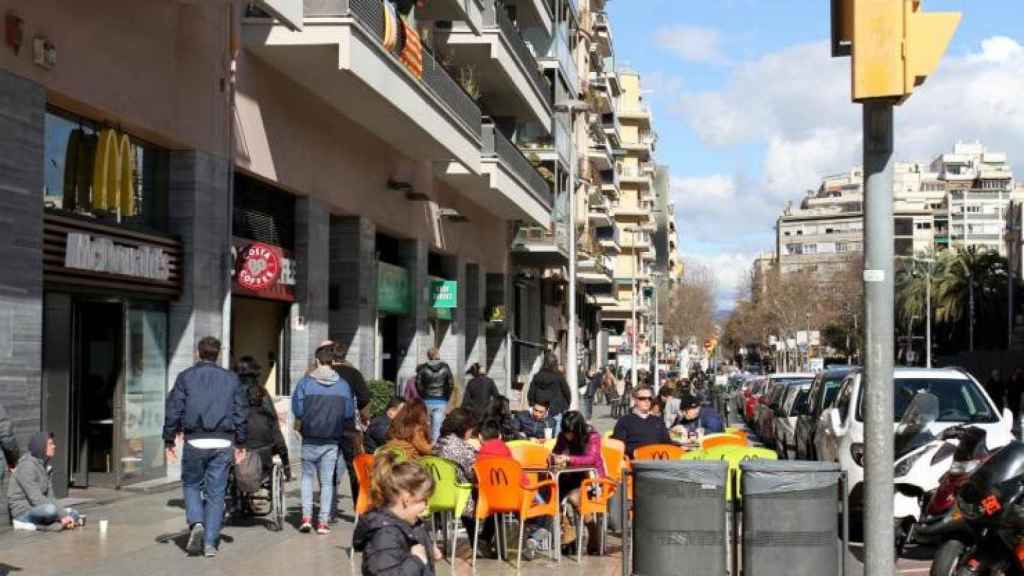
370, 13
495, 17
495, 143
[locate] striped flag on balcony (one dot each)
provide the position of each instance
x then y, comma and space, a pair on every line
412, 50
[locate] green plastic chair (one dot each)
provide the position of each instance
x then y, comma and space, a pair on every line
734, 455
449, 498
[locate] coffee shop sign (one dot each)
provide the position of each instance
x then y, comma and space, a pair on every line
99, 254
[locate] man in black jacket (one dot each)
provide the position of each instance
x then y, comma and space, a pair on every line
550, 386
208, 405
434, 383
480, 392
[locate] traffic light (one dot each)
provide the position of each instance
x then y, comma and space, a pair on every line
895, 45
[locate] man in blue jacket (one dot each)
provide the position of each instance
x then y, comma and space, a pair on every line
324, 405
210, 408
693, 415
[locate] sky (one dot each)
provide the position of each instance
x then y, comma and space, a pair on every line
751, 110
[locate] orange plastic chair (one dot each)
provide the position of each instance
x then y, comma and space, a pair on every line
502, 492
529, 454
363, 464
594, 504
659, 452
613, 452
715, 440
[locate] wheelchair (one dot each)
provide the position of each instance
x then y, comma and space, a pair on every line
269, 502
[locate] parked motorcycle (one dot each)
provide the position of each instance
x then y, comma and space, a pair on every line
991, 504
938, 522
921, 460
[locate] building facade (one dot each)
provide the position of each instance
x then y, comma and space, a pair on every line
275, 174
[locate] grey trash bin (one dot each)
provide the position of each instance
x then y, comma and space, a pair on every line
789, 518
679, 525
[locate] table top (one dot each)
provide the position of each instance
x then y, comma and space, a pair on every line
560, 469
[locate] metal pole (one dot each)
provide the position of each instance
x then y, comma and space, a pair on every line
928, 317
636, 331
970, 284
879, 545
572, 368
657, 376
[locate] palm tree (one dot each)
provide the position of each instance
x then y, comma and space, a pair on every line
971, 288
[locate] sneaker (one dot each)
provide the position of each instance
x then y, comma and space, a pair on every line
210, 551
307, 526
195, 539
543, 538
19, 525
323, 529
530, 549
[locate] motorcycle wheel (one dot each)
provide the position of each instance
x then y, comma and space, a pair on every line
947, 559
902, 532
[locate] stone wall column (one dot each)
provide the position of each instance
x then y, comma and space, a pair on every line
353, 287
414, 334
453, 344
308, 319
497, 351
476, 302
22, 120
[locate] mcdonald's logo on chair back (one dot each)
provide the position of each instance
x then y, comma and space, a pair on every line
500, 487
363, 464
658, 452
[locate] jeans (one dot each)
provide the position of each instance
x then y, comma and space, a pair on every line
436, 410
46, 514
558, 425
346, 454
587, 403
204, 479
318, 459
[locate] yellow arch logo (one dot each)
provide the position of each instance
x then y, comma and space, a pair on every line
113, 176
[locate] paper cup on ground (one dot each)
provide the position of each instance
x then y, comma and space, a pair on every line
103, 526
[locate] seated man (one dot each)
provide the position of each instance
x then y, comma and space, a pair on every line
694, 415
30, 492
377, 432
533, 423
641, 428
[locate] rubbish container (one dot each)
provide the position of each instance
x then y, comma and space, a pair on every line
679, 514
789, 518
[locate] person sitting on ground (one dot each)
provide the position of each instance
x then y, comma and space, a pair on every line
410, 432
694, 416
377, 432
481, 391
640, 428
392, 536
30, 492
578, 445
536, 424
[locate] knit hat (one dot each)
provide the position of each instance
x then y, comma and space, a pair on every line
688, 400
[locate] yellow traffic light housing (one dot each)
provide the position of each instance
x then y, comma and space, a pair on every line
894, 44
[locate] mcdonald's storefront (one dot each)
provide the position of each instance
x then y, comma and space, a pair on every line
110, 270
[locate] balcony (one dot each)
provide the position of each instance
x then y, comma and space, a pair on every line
594, 270
601, 156
559, 57
610, 184
468, 11
602, 34
639, 113
517, 190
608, 238
600, 97
540, 247
642, 149
612, 129
599, 211
556, 149
502, 65
635, 175
339, 57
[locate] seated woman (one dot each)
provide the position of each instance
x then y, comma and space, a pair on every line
30, 492
265, 438
501, 413
578, 445
409, 433
453, 444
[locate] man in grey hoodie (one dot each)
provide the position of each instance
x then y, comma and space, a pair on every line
30, 494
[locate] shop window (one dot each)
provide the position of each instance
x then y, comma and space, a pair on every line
101, 173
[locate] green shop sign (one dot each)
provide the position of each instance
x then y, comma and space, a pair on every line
393, 293
444, 298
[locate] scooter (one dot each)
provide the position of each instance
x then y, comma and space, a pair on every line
939, 523
991, 504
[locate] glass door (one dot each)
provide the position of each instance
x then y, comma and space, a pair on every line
140, 443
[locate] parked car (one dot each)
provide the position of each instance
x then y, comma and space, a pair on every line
753, 398
961, 400
771, 401
793, 403
820, 397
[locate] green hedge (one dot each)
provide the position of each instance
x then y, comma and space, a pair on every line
381, 392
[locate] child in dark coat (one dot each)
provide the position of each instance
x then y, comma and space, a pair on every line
392, 538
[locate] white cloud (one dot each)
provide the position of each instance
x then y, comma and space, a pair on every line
796, 104
693, 44
730, 270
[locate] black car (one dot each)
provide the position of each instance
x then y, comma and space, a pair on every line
823, 392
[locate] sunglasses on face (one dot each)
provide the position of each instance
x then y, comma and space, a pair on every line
644, 398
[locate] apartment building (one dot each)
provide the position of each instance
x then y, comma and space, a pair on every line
274, 173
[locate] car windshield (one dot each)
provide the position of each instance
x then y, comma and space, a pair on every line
960, 400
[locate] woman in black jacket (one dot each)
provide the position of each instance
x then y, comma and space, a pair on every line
265, 436
550, 385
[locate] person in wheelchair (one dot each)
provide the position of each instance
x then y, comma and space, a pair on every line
265, 438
